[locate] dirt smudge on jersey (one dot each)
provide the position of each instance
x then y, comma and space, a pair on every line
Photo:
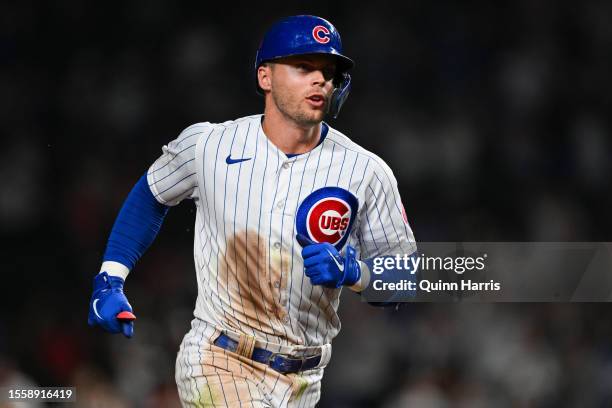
249, 279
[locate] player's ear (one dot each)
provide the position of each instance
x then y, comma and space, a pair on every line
263, 77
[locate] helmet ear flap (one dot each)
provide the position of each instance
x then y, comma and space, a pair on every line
340, 93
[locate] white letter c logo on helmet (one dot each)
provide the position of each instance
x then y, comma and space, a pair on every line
321, 34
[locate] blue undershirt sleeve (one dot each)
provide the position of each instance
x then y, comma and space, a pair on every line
136, 226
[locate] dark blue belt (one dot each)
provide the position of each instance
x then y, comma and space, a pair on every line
279, 362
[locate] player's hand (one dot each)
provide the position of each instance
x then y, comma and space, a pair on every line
109, 308
325, 266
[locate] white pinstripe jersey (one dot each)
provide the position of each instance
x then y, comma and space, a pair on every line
247, 192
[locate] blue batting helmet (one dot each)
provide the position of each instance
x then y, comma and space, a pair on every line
303, 35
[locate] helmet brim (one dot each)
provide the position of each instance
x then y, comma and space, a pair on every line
343, 63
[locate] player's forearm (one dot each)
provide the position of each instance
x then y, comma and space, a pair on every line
135, 228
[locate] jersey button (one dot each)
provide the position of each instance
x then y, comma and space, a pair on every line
286, 319
280, 204
277, 245
276, 284
286, 166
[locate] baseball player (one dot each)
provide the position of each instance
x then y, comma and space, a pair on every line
289, 210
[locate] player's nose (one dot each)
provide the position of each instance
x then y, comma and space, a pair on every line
318, 78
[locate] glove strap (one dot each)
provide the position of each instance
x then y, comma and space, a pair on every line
352, 272
105, 281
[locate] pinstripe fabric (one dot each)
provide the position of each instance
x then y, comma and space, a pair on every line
209, 376
248, 264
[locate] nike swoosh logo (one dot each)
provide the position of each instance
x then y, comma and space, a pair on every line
96, 309
341, 267
229, 159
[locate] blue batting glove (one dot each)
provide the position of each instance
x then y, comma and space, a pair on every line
109, 308
325, 266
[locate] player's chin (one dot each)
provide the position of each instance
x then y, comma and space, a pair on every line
315, 114
318, 116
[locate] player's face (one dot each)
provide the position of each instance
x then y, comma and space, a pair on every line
301, 87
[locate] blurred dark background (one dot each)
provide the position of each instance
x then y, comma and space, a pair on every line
494, 117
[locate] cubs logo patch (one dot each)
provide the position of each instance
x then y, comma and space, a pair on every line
327, 215
321, 34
